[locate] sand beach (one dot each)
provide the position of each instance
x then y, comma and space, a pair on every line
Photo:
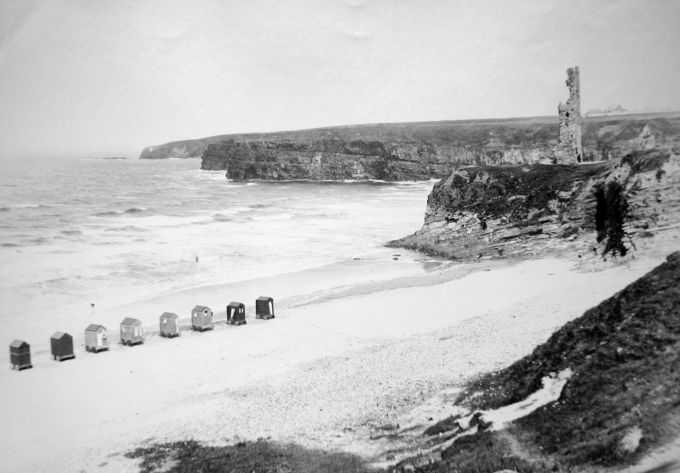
334, 369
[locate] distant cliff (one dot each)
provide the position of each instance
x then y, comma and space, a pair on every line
515, 210
412, 151
467, 132
427, 150
338, 159
180, 149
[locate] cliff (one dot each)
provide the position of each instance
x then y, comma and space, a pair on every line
337, 159
412, 151
489, 211
180, 149
425, 151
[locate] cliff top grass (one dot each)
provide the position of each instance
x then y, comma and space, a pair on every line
520, 194
524, 193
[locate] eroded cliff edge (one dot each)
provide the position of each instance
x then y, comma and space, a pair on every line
490, 211
425, 151
393, 152
413, 151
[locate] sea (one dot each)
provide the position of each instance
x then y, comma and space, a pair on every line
82, 235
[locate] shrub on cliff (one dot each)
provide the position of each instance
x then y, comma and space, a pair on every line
610, 215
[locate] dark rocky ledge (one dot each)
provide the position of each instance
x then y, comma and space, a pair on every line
491, 211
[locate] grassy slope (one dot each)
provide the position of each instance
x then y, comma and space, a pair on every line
625, 354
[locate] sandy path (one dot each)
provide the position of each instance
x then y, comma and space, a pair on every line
322, 374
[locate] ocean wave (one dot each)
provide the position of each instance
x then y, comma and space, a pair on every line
10, 245
27, 206
223, 218
318, 215
54, 283
113, 213
161, 221
5, 209
126, 228
339, 182
71, 232
134, 210
254, 182
207, 175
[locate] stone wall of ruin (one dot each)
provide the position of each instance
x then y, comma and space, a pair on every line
569, 149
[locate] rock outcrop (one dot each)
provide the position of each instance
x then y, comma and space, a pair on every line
337, 159
489, 211
569, 149
412, 151
424, 151
474, 141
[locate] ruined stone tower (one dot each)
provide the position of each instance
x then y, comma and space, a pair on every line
569, 150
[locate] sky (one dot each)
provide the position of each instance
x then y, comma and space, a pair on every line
109, 77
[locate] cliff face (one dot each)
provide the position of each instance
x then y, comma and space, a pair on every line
423, 151
179, 149
336, 159
511, 210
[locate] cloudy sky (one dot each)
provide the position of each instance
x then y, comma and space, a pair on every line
108, 77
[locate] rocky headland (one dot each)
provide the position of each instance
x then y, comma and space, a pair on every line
417, 151
383, 152
491, 211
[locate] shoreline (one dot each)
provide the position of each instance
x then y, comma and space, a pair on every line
289, 290
290, 379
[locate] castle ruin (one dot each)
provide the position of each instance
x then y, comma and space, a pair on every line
569, 150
